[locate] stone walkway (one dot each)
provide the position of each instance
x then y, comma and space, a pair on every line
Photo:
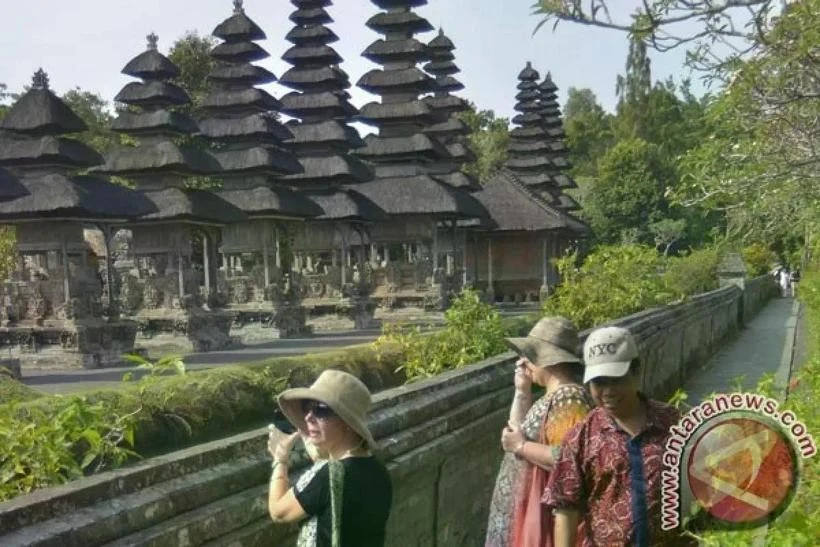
765, 345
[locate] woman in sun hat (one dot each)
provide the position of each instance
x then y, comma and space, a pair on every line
341, 501
531, 440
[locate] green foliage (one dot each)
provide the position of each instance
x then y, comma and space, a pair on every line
692, 273
588, 129
191, 54
8, 251
759, 258
488, 140
94, 111
614, 281
473, 331
12, 390
43, 449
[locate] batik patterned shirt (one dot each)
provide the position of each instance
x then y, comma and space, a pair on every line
614, 480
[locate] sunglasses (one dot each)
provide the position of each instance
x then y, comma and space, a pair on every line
602, 381
319, 410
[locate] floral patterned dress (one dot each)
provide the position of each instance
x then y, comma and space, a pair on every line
517, 518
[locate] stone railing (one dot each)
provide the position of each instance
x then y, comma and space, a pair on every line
439, 438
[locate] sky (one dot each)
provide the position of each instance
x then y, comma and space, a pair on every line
85, 43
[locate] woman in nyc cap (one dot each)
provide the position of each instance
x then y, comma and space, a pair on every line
531, 440
344, 500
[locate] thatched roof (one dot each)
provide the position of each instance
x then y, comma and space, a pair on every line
346, 204
416, 146
240, 100
158, 121
452, 126
527, 133
548, 87
81, 198
40, 112
513, 207
239, 52
324, 104
309, 4
331, 170
376, 113
457, 179
310, 16
523, 147
411, 80
244, 73
10, 187
446, 103
162, 157
387, 4
258, 159
151, 65
256, 127
528, 163
333, 133
386, 51
46, 151
315, 79
152, 93
447, 83
272, 200
460, 152
567, 203
399, 21
441, 67
529, 74
421, 195
314, 34
318, 54
238, 27
191, 205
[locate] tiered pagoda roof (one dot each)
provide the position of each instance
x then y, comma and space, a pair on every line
403, 156
41, 164
557, 149
320, 106
515, 207
239, 122
448, 128
157, 164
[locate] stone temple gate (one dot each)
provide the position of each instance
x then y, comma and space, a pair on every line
300, 219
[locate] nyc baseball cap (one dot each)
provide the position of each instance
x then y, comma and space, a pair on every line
608, 351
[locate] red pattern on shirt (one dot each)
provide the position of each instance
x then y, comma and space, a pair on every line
592, 476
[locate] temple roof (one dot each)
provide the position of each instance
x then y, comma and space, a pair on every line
421, 195
257, 159
152, 93
310, 16
160, 157
239, 52
398, 21
137, 123
346, 204
315, 79
513, 207
151, 64
386, 51
316, 34
408, 80
330, 170
40, 112
81, 198
238, 27
331, 133
272, 200
10, 186
46, 151
259, 126
417, 146
246, 74
180, 204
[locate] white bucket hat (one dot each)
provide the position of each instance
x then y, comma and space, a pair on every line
345, 394
608, 351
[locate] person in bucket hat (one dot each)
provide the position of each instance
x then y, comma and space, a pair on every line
343, 500
616, 452
531, 440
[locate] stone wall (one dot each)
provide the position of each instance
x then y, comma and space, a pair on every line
439, 438
756, 294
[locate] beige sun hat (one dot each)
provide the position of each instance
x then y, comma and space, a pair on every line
344, 393
551, 341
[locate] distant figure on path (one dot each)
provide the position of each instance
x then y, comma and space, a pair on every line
785, 282
794, 279
533, 435
342, 501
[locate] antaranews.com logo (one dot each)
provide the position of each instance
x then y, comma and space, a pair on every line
736, 456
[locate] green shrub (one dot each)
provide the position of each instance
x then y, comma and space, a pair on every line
473, 331
693, 273
614, 281
759, 258
12, 390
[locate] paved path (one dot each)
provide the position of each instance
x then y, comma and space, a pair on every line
766, 345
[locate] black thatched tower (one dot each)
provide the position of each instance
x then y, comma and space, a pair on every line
58, 291
557, 150
169, 287
322, 137
449, 129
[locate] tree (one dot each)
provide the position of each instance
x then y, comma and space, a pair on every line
629, 191
191, 54
4, 96
667, 232
488, 140
588, 129
94, 111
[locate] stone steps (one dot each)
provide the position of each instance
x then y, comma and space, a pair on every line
107, 520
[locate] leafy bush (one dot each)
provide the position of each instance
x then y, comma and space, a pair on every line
614, 281
473, 331
759, 258
693, 273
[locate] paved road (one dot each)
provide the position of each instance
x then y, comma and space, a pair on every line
73, 380
766, 345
